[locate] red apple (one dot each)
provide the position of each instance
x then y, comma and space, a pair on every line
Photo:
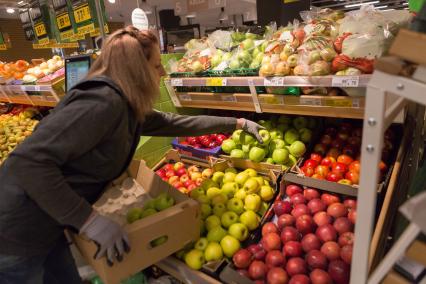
339, 271
343, 135
326, 139
305, 224
259, 282
282, 207
161, 173
337, 210
269, 227
188, 183
308, 171
220, 138
310, 242
177, 184
317, 176
293, 189
271, 241
257, 270
329, 199
274, 258
257, 251
346, 253
345, 127
350, 203
242, 258
170, 173
285, 220
353, 177
337, 143
331, 131
354, 141
192, 187
321, 218
310, 163
333, 152
316, 205
382, 166
334, 176
326, 233
165, 179
316, 259
339, 168
168, 167
343, 225
299, 279
289, 234
322, 170
346, 238
319, 276
299, 210
277, 275
310, 193
181, 172
320, 149
331, 250
292, 249
173, 179
352, 216
355, 166
296, 265
316, 157
297, 198
345, 159
328, 161
178, 165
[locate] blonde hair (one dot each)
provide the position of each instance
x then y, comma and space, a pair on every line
124, 58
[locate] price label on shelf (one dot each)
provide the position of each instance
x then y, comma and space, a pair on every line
274, 100
185, 98
216, 82
345, 81
176, 82
338, 103
274, 81
229, 98
82, 14
310, 101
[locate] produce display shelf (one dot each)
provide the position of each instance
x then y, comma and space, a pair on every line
36, 95
291, 81
327, 106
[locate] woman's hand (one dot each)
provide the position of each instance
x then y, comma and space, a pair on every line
250, 127
109, 236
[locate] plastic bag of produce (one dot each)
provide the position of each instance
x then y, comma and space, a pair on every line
221, 39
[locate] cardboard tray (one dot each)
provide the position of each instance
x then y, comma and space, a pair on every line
189, 150
173, 156
185, 214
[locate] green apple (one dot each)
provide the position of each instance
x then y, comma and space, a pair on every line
284, 119
257, 154
228, 218
134, 214
297, 149
266, 123
246, 138
220, 198
219, 209
276, 134
218, 177
283, 127
212, 221
255, 64
252, 202
231, 170
235, 205
305, 135
180, 254
263, 208
213, 191
251, 186
244, 56
250, 219
259, 57
148, 212
256, 51
230, 189
241, 194
292, 160
239, 231
230, 245
216, 234
213, 252
251, 172
195, 259
229, 177
226, 56
203, 199
207, 184
216, 60
206, 211
291, 135
266, 136
149, 204
259, 180
241, 178
246, 149
300, 122
201, 244
312, 123
234, 64
236, 136
269, 161
264, 45
280, 156
228, 145
266, 193
163, 201
276, 144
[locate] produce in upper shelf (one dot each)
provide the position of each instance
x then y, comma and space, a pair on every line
205, 141
45, 68
337, 157
14, 128
232, 204
15, 70
309, 240
284, 141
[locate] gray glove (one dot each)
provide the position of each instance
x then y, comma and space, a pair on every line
110, 238
252, 128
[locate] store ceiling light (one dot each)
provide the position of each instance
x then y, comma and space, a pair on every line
191, 15
361, 4
381, 7
223, 16
111, 1
10, 10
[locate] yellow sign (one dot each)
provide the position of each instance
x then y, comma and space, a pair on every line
67, 34
3, 47
82, 14
76, 37
339, 103
97, 32
290, 1
43, 41
63, 21
86, 29
215, 82
40, 29
56, 45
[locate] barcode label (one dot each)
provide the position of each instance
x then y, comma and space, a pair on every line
345, 81
274, 81
176, 82
216, 82
310, 101
229, 99
185, 98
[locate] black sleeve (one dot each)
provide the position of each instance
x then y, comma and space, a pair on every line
74, 129
170, 124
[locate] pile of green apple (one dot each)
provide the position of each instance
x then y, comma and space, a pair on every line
160, 203
232, 204
283, 144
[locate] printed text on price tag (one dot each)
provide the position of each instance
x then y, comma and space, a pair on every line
215, 82
274, 81
345, 81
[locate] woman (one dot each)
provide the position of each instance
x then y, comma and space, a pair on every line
50, 181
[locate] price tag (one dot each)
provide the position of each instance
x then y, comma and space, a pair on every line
176, 82
86, 29
275, 100
3, 47
216, 82
40, 29
43, 41
339, 103
274, 81
310, 101
229, 98
67, 34
63, 21
345, 81
82, 14
185, 98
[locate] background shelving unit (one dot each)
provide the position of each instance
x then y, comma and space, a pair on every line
36, 95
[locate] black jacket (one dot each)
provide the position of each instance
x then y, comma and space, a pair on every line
51, 179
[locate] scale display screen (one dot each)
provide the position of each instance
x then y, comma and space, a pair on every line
76, 68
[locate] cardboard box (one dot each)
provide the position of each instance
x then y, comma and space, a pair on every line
173, 156
408, 45
180, 223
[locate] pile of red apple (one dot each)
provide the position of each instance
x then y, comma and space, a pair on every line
309, 240
182, 178
336, 158
205, 141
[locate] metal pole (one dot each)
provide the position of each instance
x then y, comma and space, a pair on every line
101, 22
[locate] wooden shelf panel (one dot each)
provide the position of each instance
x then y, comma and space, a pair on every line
36, 95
